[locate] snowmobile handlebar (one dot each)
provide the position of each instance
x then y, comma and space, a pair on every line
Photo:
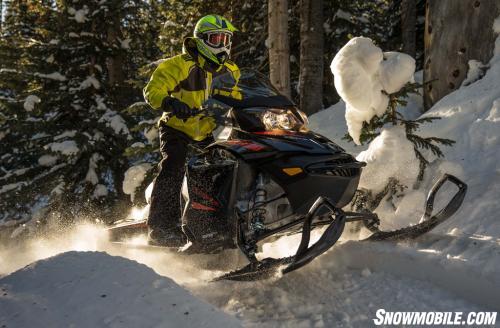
216, 113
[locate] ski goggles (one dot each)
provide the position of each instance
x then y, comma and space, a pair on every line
218, 39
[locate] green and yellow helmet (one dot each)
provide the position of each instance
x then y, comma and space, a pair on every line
213, 35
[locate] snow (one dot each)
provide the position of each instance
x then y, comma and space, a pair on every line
7, 70
59, 189
331, 123
11, 186
90, 81
11, 173
151, 134
94, 289
134, 177
47, 160
30, 101
471, 118
389, 155
169, 23
415, 102
138, 145
395, 71
342, 288
52, 76
148, 192
91, 176
363, 76
125, 44
100, 103
79, 15
100, 191
67, 147
39, 136
496, 25
116, 122
475, 72
343, 15
66, 134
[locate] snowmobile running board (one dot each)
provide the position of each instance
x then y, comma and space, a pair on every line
269, 267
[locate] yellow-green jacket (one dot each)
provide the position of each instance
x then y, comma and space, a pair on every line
188, 78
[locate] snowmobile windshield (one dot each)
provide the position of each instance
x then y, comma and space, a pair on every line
251, 90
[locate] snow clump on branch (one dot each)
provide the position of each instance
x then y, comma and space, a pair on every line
365, 76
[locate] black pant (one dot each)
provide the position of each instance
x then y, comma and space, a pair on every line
164, 211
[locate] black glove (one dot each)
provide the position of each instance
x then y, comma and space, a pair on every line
178, 108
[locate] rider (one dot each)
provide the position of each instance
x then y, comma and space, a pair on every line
178, 87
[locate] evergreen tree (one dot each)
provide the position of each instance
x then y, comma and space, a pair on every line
63, 149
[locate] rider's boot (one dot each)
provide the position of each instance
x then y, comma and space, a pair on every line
173, 237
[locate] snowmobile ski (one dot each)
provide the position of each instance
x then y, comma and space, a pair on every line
428, 221
268, 267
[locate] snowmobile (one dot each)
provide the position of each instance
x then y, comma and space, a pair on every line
266, 175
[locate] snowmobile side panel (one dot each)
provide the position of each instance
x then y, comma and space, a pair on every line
247, 150
205, 218
334, 177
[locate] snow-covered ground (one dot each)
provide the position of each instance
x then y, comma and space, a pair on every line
454, 268
93, 289
343, 288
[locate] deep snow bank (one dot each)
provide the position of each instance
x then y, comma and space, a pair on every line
471, 117
93, 289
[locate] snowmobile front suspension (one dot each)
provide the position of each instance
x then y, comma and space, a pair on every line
267, 267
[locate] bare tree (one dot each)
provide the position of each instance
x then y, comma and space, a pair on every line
408, 26
279, 49
311, 56
455, 32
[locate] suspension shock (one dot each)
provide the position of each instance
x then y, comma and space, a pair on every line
259, 209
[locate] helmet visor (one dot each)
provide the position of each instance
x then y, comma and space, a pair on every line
218, 39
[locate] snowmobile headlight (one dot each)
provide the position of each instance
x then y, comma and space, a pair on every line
280, 120
304, 118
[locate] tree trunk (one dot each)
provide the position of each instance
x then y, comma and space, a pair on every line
408, 26
311, 56
455, 32
115, 61
279, 50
